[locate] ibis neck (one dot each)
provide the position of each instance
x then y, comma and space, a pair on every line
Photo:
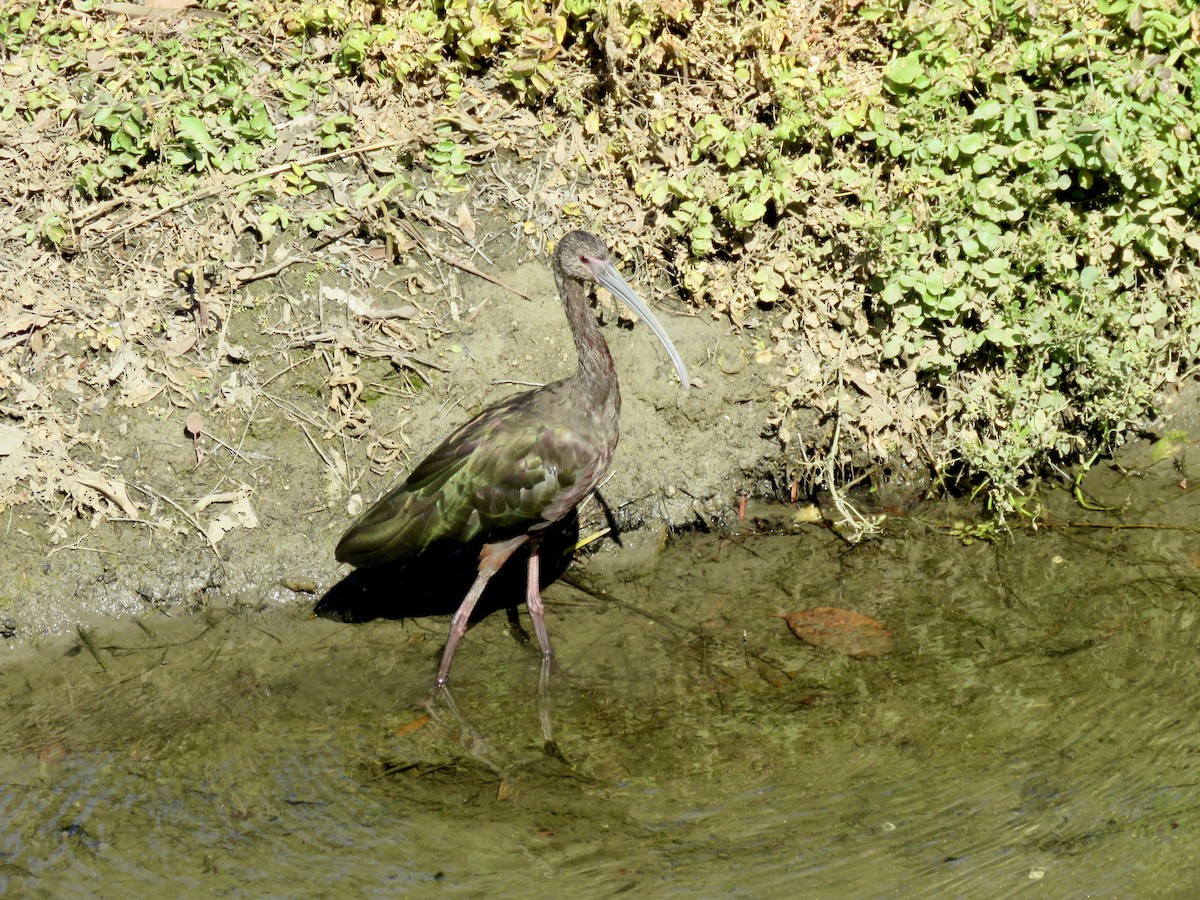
596, 373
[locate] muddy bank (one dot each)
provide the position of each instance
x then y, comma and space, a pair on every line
247, 511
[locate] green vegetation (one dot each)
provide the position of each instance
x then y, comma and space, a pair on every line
964, 230
1050, 247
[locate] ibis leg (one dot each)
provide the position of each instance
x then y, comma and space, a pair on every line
537, 612
533, 600
491, 558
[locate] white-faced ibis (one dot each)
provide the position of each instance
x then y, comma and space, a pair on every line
520, 465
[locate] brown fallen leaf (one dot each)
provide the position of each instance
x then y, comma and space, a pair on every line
466, 224
841, 630
410, 727
12, 439
113, 490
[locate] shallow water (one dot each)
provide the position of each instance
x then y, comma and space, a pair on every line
1036, 728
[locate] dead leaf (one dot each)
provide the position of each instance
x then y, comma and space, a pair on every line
465, 223
509, 790
20, 326
1168, 446
842, 631
362, 309
410, 727
12, 439
239, 515
181, 342
113, 490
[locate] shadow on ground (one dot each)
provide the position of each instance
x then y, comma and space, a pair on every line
435, 583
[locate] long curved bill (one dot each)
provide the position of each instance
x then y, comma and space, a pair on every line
609, 277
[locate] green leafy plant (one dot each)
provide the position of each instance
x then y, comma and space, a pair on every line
213, 122
1047, 201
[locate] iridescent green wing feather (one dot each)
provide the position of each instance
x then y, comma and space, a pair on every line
497, 476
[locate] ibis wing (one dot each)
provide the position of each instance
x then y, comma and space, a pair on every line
497, 476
